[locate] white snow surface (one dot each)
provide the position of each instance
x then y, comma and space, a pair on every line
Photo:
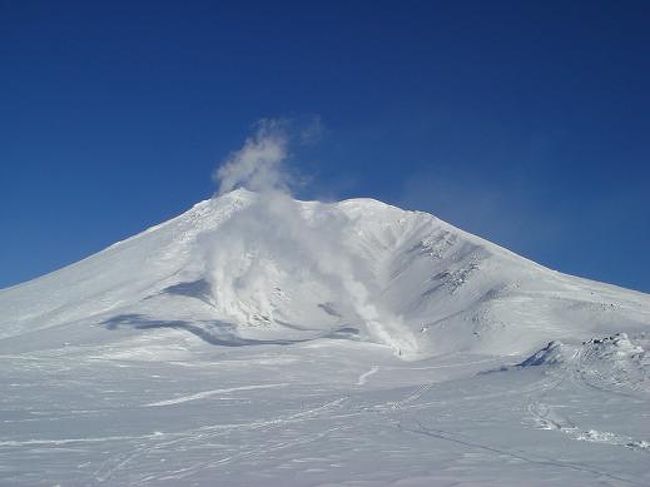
258, 340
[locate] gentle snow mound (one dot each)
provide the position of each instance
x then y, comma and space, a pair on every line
614, 348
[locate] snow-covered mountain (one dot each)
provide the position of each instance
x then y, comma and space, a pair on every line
271, 341
430, 287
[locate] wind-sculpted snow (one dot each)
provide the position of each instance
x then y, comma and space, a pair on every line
614, 359
555, 353
260, 340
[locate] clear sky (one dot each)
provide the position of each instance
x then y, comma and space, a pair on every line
527, 123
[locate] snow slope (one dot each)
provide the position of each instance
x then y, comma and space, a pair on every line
261, 340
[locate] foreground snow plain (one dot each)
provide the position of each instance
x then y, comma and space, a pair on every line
389, 348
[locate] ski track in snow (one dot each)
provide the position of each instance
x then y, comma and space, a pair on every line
363, 378
205, 394
208, 434
72, 441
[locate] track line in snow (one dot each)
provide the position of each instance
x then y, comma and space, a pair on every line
414, 396
363, 378
204, 394
67, 441
547, 418
536, 459
185, 439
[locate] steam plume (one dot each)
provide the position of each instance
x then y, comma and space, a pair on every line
271, 244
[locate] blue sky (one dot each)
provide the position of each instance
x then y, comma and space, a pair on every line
524, 122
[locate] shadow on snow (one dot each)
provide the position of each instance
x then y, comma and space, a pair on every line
215, 332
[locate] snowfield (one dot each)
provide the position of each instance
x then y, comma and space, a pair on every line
259, 340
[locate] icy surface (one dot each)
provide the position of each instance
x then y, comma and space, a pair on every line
355, 344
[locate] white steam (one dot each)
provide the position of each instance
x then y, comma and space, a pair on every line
275, 246
258, 165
